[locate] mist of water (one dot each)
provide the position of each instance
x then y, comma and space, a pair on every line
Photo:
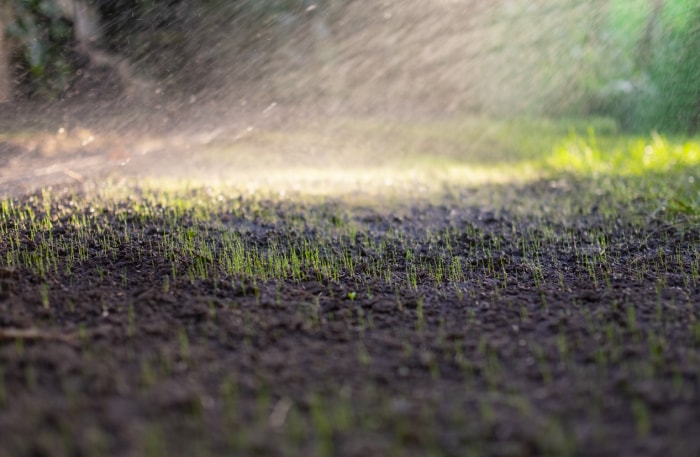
209, 80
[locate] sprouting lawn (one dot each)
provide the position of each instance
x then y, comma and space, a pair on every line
456, 287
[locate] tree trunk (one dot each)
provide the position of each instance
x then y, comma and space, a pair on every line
645, 48
694, 125
86, 20
5, 73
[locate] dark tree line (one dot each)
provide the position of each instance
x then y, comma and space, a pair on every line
45, 42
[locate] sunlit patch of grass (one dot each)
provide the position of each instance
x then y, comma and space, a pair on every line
629, 157
336, 155
653, 167
686, 205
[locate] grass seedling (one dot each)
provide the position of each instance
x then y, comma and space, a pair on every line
44, 291
184, 345
153, 442
131, 320
642, 418
323, 426
363, 356
3, 391
420, 317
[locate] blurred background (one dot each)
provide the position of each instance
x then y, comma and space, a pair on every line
636, 62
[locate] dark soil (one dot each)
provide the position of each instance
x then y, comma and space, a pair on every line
534, 351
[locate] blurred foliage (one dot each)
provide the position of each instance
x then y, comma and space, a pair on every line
165, 37
655, 52
636, 61
676, 73
45, 39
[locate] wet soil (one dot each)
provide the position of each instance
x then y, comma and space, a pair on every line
535, 348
